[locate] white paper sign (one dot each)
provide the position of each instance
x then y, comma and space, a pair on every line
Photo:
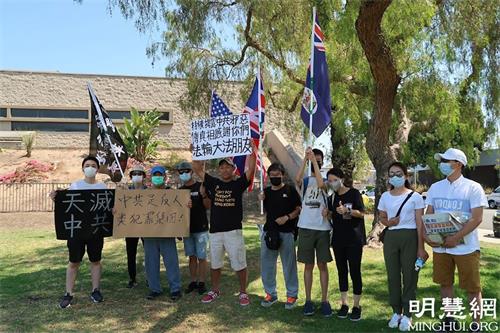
220, 137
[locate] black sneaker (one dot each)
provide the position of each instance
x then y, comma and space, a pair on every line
153, 295
175, 296
96, 296
326, 309
131, 284
192, 286
201, 288
343, 311
66, 301
308, 308
355, 314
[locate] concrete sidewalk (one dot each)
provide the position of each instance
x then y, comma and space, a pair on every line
487, 236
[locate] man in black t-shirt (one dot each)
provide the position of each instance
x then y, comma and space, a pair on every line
226, 215
282, 205
195, 246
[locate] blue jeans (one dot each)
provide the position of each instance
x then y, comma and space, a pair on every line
167, 247
196, 245
268, 259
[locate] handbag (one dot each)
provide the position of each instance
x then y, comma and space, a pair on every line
272, 238
382, 234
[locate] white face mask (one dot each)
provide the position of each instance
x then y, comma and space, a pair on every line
90, 172
136, 179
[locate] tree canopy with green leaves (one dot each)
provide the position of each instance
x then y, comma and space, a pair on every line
408, 77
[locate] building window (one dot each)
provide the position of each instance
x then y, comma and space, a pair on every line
49, 127
165, 116
3, 112
119, 114
49, 113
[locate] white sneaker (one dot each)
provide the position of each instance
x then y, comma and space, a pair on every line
404, 324
394, 322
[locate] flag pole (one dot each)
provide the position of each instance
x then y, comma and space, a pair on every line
101, 119
311, 94
210, 104
261, 140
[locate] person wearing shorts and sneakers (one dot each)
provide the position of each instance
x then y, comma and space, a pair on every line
314, 230
282, 206
226, 215
195, 245
77, 247
457, 194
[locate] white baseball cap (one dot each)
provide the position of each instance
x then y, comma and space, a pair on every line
452, 154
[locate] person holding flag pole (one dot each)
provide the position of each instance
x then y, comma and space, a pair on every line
314, 228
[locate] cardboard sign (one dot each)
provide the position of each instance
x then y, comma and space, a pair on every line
151, 213
83, 214
220, 137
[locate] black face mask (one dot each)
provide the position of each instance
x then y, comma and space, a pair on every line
276, 181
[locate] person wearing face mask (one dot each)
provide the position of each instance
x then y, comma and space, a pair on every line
346, 210
226, 215
76, 247
457, 194
314, 230
137, 176
195, 246
401, 210
282, 206
166, 247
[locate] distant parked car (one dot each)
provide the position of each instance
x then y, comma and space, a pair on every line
496, 224
494, 198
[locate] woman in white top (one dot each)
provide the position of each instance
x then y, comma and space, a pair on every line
401, 210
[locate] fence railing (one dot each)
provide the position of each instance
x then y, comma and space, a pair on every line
28, 197
34, 197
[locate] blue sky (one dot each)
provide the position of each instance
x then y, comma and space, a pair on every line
65, 36
69, 37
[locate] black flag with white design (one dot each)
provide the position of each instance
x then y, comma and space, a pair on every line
105, 141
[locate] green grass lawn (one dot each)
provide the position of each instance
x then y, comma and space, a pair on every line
32, 275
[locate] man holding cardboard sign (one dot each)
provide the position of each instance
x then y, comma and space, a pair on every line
226, 215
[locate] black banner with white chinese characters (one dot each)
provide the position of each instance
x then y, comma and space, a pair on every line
105, 141
84, 214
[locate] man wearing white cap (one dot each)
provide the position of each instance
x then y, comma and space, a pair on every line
456, 193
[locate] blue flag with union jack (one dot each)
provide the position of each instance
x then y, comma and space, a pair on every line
316, 99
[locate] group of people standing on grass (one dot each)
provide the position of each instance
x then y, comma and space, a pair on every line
317, 214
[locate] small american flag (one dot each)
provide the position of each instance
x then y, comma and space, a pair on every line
218, 107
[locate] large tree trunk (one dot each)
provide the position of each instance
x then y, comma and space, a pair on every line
382, 66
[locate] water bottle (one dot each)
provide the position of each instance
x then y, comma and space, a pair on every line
419, 264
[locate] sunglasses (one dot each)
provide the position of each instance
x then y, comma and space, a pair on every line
137, 174
444, 160
184, 171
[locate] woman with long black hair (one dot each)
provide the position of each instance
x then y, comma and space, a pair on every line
401, 210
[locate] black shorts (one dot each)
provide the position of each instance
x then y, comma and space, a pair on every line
76, 249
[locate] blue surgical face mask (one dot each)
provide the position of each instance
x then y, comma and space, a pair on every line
185, 177
397, 181
445, 168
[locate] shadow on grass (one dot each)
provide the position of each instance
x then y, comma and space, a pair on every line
32, 283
